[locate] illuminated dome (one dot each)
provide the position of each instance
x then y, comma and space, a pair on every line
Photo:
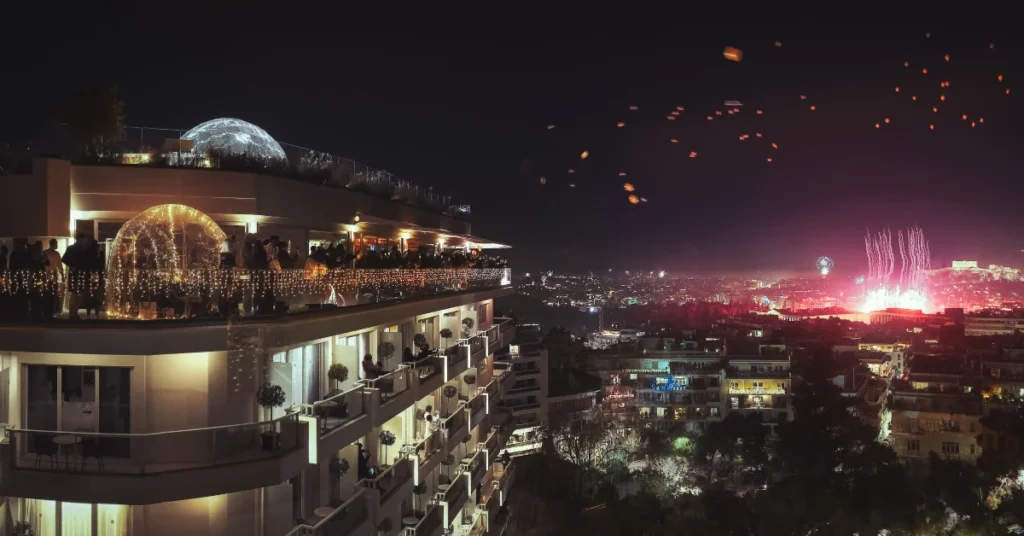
175, 237
234, 136
165, 243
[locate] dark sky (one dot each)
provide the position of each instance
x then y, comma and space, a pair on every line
461, 101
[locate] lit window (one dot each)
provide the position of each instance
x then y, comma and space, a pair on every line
949, 447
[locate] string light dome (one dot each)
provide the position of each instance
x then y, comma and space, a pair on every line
234, 136
163, 244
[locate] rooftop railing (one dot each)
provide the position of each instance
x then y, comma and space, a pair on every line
171, 294
143, 146
158, 452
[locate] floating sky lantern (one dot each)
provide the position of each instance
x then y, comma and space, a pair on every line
633, 199
628, 187
733, 54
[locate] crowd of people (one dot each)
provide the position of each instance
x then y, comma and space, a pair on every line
84, 261
36, 278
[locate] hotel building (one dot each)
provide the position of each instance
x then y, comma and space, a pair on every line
209, 400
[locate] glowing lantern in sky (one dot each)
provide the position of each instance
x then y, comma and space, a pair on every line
627, 187
733, 54
633, 199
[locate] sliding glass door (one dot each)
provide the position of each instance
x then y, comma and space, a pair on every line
71, 398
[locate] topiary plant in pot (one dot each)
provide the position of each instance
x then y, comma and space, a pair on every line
270, 396
449, 393
387, 438
467, 327
446, 334
419, 341
385, 351
338, 373
420, 490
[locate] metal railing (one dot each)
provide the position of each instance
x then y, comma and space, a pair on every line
300, 164
338, 409
152, 294
476, 468
455, 421
391, 384
429, 523
343, 520
457, 490
158, 452
426, 447
477, 343
390, 480
429, 367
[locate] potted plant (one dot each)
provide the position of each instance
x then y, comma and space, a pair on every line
23, 528
338, 467
446, 334
386, 350
270, 396
469, 379
338, 373
467, 327
449, 392
419, 341
387, 438
420, 490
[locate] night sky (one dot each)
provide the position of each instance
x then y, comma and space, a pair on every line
462, 101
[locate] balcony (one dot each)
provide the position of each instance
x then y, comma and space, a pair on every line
352, 518
431, 524
507, 327
395, 485
491, 503
476, 468
342, 418
477, 350
763, 374
139, 469
394, 393
454, 497
506, 379
492, 445
428, 452
455, 427
493, 335
430, 373
458, 359
505, 476
477, 409
212, 295
757, 391
520, 406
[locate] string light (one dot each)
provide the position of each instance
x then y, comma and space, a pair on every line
140, 286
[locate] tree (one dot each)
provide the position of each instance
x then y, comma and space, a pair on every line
94, 118
445, 334
581, 439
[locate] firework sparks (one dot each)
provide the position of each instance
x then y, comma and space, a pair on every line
908, 291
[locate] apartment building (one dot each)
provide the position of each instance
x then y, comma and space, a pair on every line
685, 390
1003, 383
527, 399
936, 409
195, 399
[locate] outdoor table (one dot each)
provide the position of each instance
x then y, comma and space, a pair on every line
64, 441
